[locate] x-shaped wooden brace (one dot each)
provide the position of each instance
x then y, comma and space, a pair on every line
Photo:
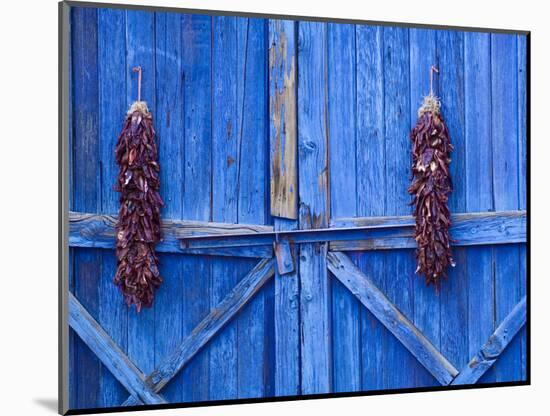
145, 390
404, 330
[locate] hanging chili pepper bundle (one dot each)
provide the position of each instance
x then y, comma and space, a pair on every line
431, 186
138, 227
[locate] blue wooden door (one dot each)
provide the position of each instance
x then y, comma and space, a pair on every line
267, 126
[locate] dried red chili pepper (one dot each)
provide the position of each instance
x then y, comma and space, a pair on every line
138, 228
431, 186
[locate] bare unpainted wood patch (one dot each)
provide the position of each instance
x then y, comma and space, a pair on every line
283, 118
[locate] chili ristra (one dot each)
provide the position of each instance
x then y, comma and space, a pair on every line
138, 227
431, 186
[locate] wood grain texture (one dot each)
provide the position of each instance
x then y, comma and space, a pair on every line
256, 118
226, 74
98, 231
370, 182
341, 67
315, 308
362, 287
509, 279
196, 63
360, 233
110, 354
140, 51
169, 120
282, 113
472, 229
454, 293
427, 307
523, 176
254, 323
283, 160
113, 313
400, 265
495, 345
210, 326
479, 190
86, 189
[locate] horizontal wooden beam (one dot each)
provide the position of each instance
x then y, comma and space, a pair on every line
375, 233
93, 230
385, 311
108, 352
494, 346
241, 294
471, 229
346, 234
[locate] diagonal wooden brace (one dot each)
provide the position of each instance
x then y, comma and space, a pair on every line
95, 337
402, 328
495, 345
209, 327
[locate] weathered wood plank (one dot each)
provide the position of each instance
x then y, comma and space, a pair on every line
523, 174
245, 290
423, 55
86, 188
252, 197
509, 280
341, 67
93, 230
110, 354
282, 111
285, 260
362, 287
472, 229
197, 103
169, 124
282, 84
262, 252
72, 339
140, 51
479, 192
361, 233
454, 292
315, 308
495, 345
113, 313
287, 324
371, 182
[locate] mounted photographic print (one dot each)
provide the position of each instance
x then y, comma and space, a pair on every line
262, 208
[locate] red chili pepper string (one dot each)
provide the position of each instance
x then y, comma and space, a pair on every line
431, 187
138, 227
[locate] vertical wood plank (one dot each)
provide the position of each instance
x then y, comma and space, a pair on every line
282, 98
313, 188
169, 120
72, 336
113, 313
371, 183
400, 266
426, 301
504, 60
197, 170
223, 349
283, 144
86, 187
341, 107
479, 192
140, 47
73, 340
522, 179
253, 136
454, 291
